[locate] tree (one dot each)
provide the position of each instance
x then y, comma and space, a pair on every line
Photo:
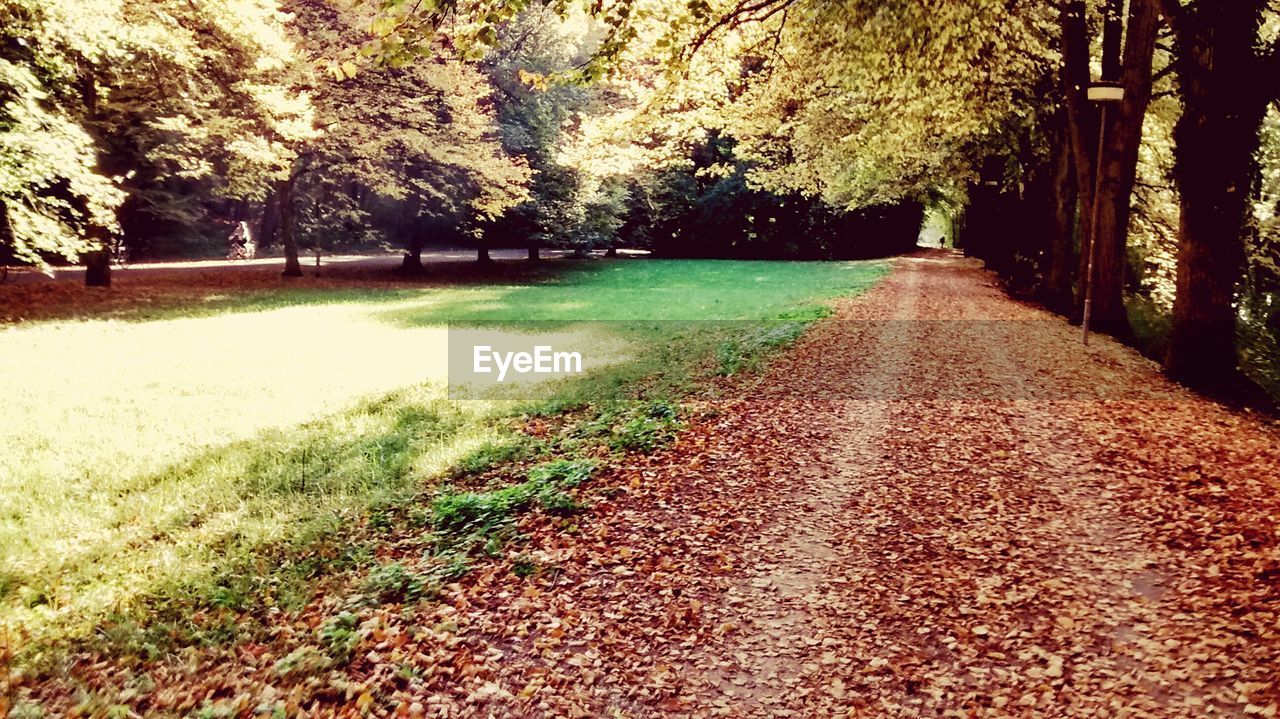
1227, 76
533, 115
51, 193
1106, 212
1057, 292
153, 90
199, 95
420, 135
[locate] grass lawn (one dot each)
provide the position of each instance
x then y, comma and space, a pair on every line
151, 456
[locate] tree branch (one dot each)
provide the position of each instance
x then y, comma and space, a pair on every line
745, 12
1162, 73
1175, 16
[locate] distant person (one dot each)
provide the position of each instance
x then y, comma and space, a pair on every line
240, 243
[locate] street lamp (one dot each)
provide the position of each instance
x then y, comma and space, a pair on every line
1104, 93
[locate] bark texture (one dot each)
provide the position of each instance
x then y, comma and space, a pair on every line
1119, 170
1059, 259
288, 229
1082, 121
1217, 141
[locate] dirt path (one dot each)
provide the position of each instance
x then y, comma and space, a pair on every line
997, 528
938, 504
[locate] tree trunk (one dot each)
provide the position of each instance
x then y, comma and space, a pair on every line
1119, 170
413, 256
1082, 121
269, 227
1082, 115
97, 268
1112, 36
1082, 125
534, 253
612, 251
97, 265
288, 227
983, 230
1217, 139
1001, 241
1060, 255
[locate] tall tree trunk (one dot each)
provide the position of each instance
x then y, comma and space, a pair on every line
288, 227
1082, 115
1217, 139
97, 263
1119, 171
1082, 121
269, 227
984, 234
1060, 255
534, 253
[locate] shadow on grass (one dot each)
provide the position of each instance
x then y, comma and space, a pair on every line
341, 285
255, 289
254, 519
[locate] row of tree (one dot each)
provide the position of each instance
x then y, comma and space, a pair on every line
750, 128
146, 128
139, 129
1219, 64
983, 104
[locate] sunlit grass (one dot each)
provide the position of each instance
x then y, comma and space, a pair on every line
144, 456
134, 451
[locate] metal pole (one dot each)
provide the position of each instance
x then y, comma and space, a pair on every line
1093, 229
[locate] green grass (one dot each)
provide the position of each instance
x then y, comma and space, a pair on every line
639, 290
215, 458
471, 512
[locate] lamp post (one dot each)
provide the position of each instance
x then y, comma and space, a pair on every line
1104, 93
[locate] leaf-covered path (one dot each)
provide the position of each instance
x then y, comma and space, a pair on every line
937, 504
941, 505
997, 524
